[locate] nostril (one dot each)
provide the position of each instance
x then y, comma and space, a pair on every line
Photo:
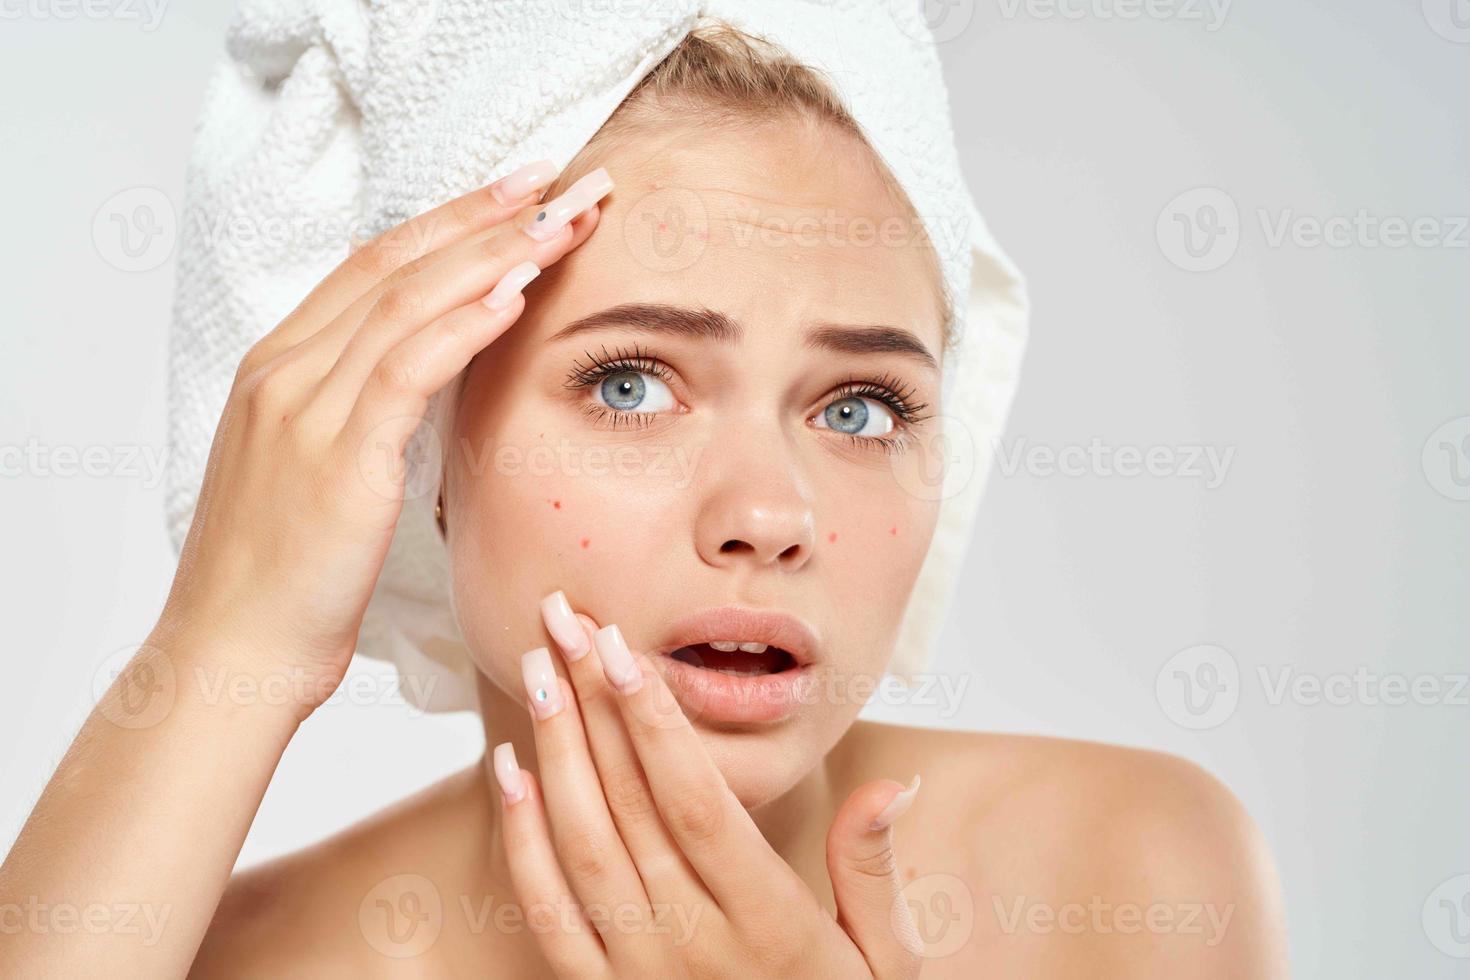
737, 546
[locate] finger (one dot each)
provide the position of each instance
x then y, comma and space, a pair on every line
865, 881
592, 855
466, 274
667, 874
377, 260
566, 938
423, 362
711, 827
396, 395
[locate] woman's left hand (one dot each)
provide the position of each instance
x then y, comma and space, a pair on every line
650, 866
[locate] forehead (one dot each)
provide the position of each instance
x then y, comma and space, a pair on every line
774, 225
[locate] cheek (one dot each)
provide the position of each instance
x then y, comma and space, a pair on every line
872, 537
540, 511
546, 512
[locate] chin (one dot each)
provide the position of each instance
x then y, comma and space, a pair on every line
759, 766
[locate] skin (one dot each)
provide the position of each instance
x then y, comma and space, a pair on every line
1005, 827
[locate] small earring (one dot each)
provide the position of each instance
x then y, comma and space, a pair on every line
439, 514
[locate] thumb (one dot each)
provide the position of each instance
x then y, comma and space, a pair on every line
865, 879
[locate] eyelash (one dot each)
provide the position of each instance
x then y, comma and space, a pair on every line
890, 391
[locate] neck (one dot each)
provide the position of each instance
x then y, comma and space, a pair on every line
794, 824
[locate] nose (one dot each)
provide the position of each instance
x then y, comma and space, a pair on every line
758, 513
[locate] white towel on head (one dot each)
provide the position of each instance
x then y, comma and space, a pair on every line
335, 119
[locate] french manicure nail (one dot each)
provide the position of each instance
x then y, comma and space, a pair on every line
896, 806
522, 183
511, 284
564, 626
508, 774
541, 683
551, 218
617, 661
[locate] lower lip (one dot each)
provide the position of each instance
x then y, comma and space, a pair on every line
714, 696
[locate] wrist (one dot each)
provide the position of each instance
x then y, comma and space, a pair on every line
230, 675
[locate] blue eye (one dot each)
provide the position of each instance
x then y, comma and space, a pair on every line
856, 416
635, 391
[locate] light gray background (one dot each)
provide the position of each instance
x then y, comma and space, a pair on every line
1332, 547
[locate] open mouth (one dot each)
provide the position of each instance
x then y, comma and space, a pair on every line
738, 666
739, 660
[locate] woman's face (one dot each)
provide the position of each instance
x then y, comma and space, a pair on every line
704, 406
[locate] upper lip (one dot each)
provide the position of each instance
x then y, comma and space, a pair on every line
768, 626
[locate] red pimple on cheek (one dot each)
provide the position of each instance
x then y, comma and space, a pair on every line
893, 530
832, 537
586, 542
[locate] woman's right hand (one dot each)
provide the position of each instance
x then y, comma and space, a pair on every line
305, 479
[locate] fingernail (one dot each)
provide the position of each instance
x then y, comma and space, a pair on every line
520, 184
508, 774
896, 806
551, 218
541, 684
511, 284
617, 661
564, 626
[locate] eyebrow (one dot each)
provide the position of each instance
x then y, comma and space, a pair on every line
712, 325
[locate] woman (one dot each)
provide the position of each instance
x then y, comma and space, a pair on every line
665, 660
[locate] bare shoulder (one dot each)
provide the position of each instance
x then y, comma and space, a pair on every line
298, 915
1083, 855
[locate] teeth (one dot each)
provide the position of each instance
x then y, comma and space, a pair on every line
729, 646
